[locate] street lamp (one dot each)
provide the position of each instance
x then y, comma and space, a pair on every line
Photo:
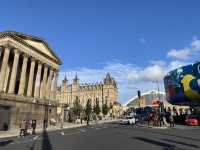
157, 83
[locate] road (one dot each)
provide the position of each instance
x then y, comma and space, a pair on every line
110, 136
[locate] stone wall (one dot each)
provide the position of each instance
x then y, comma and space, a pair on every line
22, 110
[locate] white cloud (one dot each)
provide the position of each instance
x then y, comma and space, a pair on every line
147, 74
196, 44
175, 64
179, 54
158, 62
187, 52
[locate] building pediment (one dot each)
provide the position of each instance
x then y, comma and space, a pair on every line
33, 43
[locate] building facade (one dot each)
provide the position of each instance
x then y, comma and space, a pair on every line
148, 99
104, 92
28, 79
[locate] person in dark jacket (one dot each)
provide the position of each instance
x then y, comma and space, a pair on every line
33, 126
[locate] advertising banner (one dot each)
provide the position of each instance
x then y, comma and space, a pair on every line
182, 85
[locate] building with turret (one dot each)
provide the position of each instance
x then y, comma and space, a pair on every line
104, 92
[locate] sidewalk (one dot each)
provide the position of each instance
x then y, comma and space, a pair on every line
15, 132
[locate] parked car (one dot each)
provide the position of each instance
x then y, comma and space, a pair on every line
128, 120
193, 120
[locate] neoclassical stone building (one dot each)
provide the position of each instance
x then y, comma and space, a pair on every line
106, 91
28, 79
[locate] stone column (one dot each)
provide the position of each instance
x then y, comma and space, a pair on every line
30, 80
44, 82
48, 87
23, 75
6, 82
53, 86
37, 82
0, 51
3, 67
14, 72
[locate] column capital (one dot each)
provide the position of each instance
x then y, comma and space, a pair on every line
16, 51
7, 45
39, 62
47, 66
51, 70
25, 55
33, 59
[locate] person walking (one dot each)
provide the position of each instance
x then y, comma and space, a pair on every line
61, 126
33, 126
22, 128
171, 119
27, 125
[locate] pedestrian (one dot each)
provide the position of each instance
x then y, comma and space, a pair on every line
45, 124
27, 125
156, 119
33, 126
171, 119
61, 127
150, 118
22, 128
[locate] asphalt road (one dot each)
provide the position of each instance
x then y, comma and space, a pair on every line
112, 136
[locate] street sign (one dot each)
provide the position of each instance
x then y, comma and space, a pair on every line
59, 110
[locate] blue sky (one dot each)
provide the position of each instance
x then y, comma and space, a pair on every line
137, 41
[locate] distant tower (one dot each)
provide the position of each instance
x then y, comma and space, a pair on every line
64, 90
75, 88
110, 90
76, 80
108, 79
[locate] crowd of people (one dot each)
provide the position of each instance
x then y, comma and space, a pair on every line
161, 118
158, 116
27, 125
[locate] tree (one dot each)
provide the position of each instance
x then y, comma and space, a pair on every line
88, 110
97, 109
105, 109
77, 107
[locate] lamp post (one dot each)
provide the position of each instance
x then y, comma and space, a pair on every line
157, 83
160, 103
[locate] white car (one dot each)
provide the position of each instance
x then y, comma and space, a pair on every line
128, 120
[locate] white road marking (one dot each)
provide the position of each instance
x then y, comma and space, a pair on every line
39, 138
82, 130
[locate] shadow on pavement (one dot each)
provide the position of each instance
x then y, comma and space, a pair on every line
165, 146
182, 143
46, 144
174, 135
5, 142
32, 147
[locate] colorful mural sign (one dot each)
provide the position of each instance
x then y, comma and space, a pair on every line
182, 85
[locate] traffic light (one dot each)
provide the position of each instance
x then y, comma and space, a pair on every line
139, 94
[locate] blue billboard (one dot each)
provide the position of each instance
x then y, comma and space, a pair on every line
182, 85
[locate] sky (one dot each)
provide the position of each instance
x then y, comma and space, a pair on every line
137, 41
